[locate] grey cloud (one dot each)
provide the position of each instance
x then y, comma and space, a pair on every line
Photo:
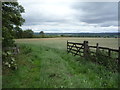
97, 12
41, 19
93, 12
111, 23
103, 14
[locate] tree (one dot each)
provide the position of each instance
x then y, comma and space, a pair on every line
41, 33
18, 33
28, 33
11, 19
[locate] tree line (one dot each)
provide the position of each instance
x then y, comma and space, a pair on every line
19, 33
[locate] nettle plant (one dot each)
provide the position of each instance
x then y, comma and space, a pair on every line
9, 60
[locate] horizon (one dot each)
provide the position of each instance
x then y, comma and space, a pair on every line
87, 32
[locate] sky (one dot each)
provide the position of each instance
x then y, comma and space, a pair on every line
70, 16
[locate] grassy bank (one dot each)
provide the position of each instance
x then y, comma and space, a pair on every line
43, 65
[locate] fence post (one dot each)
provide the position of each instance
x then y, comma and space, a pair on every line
86, 49
119, 57
67, 46
109, 52
97, 48
18, 50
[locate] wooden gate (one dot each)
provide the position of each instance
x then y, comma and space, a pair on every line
75, 48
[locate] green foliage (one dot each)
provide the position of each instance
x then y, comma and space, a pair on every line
110, 63
42, 34
26, 49
7, 38
9, 60
19, 33
45, 36
11, 18
28, 33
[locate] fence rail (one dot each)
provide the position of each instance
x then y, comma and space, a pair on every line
86, 50
14, 50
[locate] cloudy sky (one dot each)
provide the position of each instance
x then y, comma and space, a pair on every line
73, 16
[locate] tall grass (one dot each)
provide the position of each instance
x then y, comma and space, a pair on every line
101, 57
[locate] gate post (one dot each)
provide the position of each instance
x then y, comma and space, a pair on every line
67, 46
109, 52
119, 58
86, 48
97, 48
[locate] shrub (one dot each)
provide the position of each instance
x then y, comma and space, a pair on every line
9, 60
102, 58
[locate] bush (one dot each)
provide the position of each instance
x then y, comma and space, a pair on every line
9, 60
102, 58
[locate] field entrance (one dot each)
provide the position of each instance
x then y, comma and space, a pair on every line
44, 63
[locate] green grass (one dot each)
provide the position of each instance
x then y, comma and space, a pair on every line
45, 64
0, 81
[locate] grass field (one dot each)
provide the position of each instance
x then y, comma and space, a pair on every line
44, 63
61, 42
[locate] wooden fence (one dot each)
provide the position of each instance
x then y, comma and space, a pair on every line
83, 49
15, 50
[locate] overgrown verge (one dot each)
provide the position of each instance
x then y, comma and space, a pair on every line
93, 74
8, 58
28, 68
8, 61
110, 63
45, 67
